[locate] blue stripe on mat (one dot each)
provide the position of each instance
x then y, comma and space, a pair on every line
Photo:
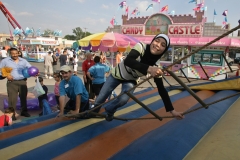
52, 127
176, 138
46, 117
72, 140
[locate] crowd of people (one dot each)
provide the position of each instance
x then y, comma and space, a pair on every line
95, 85
99, 79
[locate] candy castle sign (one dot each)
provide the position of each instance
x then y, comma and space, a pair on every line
185, 30
133, 30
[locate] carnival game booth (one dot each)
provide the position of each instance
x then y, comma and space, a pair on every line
37, 48
187, 34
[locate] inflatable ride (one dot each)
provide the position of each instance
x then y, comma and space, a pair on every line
210, 133
32, 104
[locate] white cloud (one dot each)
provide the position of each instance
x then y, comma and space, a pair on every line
102, 20
5, 4
105, 6
93, 21
142, 5
81, 1
25, 14
12, 12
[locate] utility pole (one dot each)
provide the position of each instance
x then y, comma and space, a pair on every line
85, 31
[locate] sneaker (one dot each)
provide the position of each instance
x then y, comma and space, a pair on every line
96, 110
25, 114
50, 77
40, 114
109, 117
46, 76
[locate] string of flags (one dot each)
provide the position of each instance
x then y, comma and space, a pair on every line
225, 13
29, 31
199, 6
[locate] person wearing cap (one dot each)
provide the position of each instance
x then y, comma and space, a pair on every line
72, 86
16, 82
48, 60
139, 62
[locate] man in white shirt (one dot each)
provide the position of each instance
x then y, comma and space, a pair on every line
3, 53
70, 53
48, 65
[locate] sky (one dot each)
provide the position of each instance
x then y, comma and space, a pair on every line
95, 15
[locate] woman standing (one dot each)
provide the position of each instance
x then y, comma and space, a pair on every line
103, 58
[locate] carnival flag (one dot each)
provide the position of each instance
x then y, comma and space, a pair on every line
134, 11
150, 6
157, 1
192, 1
204, 8
138, 13
165, 8
57, 33
28, 31
126, 10
115, 22
112, 21
38, 32
200, 4
197, 9
225, 13
122, 4
17, 31
225, 19
214, 13
172, 13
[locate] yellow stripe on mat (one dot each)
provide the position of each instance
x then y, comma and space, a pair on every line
33, 143
223, 140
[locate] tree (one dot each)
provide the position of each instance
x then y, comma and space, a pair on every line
47, 33
70, 37
80, 33
88, 34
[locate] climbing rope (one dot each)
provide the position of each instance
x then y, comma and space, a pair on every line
150, 118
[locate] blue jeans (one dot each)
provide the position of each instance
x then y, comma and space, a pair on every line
110, 84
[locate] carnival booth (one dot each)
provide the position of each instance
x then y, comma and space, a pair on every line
187, 33
35, 49
108, 43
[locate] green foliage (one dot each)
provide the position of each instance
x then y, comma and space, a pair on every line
70, 37
47, 33
79, 33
